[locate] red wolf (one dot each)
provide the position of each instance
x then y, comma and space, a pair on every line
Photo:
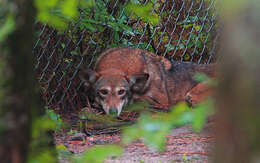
124, 75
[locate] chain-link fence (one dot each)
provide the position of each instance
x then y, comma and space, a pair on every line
187, 31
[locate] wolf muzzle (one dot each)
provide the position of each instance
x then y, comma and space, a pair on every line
113, 111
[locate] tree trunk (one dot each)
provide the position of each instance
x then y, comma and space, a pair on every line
238, 114
19, 89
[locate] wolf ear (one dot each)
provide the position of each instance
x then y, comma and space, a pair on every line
139, 83
88, 77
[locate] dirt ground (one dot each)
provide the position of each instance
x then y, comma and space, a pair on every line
183, 145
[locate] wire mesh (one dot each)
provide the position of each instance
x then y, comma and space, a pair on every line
187, 31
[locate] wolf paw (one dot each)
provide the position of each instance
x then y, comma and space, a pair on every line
190, 100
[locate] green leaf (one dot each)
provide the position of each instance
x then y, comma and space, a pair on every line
57, 13
193, 36
152, 130
131, 134
45, 4
201, 77
170, 47
199, 44
116, 36
189, 44
91, 27
41, 125
46, 155
114, 26
62, 45
197, 27
86, 3
7, 27
176, 112
72, 132
186, 57
187, 26
98, 154
143, 11
143, 45
201, 112
181, 46
69, 8
52, 20
61, 147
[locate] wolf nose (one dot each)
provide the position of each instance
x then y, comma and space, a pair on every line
113, 111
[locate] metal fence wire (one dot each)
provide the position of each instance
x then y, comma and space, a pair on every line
187, 31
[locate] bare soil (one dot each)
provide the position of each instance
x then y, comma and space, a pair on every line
183, 145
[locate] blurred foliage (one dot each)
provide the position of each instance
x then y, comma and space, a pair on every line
54, 117
41, 129
7, 27
201, 77
201, 113
228, 12
63, 152
154, 128
50, 121
7, 23
98, 154
58, 13
42, 156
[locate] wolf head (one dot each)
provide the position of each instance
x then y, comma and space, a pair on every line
114, 91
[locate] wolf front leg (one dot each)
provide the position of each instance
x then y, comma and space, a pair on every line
199, 93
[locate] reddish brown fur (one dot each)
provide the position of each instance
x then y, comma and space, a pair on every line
168, 83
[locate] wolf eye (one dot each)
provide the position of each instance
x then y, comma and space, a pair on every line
121, 92
103, 92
